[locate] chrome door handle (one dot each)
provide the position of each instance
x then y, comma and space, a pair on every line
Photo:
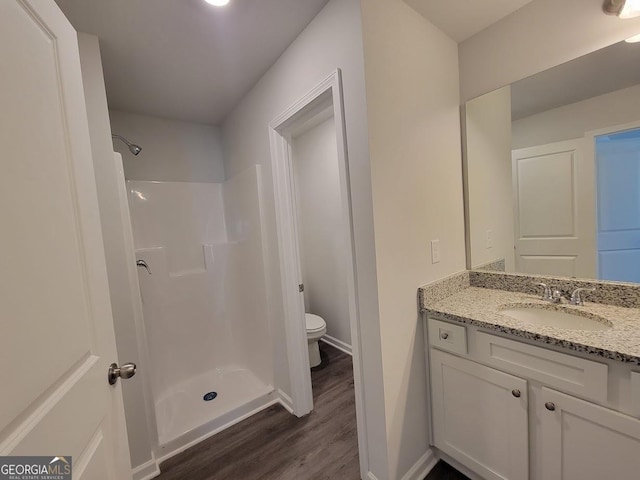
127, 370
143, 264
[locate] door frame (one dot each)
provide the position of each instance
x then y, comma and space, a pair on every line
327, 93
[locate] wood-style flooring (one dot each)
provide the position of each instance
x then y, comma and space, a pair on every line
275, 445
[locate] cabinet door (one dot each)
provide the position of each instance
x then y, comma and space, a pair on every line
480, 417
583, 441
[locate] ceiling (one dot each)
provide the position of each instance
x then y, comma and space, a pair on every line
461, 19
184, 59
606, 70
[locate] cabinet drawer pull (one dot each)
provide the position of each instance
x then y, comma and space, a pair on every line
516, 393
550, 406
447, 336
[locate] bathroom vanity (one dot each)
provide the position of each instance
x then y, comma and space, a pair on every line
517, 397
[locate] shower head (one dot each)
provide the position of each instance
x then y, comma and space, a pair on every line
133, 148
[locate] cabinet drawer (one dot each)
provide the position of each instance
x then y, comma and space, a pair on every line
565, 372
447, 336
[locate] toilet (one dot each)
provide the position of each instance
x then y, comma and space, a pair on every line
316, 328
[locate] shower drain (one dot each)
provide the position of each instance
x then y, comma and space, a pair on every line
209, 396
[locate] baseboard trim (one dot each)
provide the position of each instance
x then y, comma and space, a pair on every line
286, 401
335, 343
147, 470
422, 467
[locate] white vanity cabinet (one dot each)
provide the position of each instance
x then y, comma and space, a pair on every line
583, 441
496, 407
480, 417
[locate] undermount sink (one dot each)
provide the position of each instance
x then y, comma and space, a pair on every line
558, 317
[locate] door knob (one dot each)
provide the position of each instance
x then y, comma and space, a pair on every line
127, 370
550, 406
516, 393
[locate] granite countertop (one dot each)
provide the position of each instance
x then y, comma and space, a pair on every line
480, 307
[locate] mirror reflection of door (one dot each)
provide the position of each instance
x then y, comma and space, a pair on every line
551, 170
618, 199
553, 187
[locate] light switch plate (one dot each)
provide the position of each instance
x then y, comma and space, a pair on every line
435, 251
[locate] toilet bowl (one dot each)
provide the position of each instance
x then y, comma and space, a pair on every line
316, 328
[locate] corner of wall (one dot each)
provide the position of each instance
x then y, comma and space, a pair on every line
412, 85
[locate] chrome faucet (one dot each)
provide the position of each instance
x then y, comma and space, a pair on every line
576, 296
550, 294
554, 295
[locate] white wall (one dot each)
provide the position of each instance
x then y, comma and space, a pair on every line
172, 151
488, 170
333, 39
317, 181
541, 35
118, 246
572, 121
413, 103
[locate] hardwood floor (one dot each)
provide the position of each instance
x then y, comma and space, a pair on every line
275, 445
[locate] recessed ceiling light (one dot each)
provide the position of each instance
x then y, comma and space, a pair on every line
631, 9
217, 3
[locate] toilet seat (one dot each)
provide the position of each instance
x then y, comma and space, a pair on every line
316, 328
315, 323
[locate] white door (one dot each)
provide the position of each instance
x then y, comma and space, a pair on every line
57, 337
554, 210
583, 441
618, 173
480, 417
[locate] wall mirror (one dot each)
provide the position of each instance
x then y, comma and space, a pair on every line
552, 170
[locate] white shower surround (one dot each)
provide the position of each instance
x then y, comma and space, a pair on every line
203, 303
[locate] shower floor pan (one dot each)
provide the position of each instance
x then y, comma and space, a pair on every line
183, 416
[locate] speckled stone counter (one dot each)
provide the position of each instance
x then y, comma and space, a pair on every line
455, 299
494, 266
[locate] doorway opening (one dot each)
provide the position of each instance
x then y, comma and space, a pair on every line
315, 239
316, 181
618, 205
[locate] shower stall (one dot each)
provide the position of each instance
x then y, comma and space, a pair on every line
204, 306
